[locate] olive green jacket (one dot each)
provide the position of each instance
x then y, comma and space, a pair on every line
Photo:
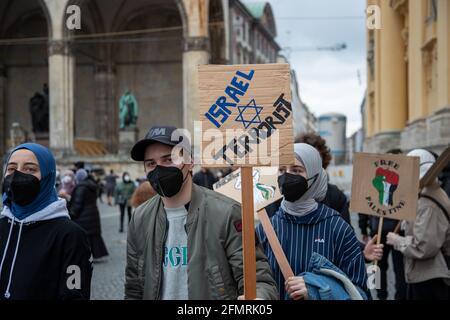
215, 264
123, 192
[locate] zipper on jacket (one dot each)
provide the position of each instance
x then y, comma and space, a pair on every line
187, 228
158, 293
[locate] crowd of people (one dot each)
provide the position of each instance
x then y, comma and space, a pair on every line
184, 240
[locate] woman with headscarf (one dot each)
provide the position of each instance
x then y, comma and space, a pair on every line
311, 233
44, 255
67, 185
84, 211
426, 244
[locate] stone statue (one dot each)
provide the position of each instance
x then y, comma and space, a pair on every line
128, 110
39, 110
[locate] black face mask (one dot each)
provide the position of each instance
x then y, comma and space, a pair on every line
21, 188
293, 186
167, 181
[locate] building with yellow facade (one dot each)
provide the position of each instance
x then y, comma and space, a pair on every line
407, 103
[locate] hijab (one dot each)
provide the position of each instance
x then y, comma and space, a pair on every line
426, 160
317, 188
47, 193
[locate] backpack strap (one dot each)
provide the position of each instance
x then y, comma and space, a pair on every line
447, 258
421, 195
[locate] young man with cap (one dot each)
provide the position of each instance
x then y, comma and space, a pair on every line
186, 242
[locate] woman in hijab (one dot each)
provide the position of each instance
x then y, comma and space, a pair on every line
307, 229
44, 255
68, 183
426, 245
84, 211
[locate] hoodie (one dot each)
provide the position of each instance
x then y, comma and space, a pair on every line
322, 231
44, 256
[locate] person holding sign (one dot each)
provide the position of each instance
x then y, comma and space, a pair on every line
426, 245
311, 233
185, 242
334, 198
388, 225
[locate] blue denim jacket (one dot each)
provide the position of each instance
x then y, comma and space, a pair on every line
325, 281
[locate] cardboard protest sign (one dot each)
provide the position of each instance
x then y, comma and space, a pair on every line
385, 185
246, 115
265, 186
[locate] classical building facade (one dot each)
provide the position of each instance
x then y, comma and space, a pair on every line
253, 29
408, 95
151, 47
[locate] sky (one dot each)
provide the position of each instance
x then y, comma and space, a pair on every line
328, 80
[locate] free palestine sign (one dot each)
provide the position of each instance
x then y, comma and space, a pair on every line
385, 185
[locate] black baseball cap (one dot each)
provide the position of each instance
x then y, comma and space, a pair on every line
161, 134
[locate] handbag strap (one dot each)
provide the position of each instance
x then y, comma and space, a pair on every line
282, 261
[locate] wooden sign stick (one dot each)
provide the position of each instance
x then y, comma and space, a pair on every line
397, 227
248, 233
380, 228
281, 258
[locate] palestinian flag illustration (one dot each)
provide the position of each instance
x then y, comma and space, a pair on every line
386, 182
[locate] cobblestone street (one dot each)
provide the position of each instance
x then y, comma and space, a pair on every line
108, 277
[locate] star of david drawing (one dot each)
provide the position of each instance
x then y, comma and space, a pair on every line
253, 114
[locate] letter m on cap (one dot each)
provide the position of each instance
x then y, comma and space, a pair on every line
158, 132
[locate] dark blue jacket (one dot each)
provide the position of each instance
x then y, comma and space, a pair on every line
325, 281
322, 231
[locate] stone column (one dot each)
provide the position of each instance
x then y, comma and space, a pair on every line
106, 107
392, 95
61, 85
443, 43
415, 134
393, 70
195, 52
438, 123
417, 105
3, 134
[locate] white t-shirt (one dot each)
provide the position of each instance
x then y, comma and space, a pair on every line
175, 277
